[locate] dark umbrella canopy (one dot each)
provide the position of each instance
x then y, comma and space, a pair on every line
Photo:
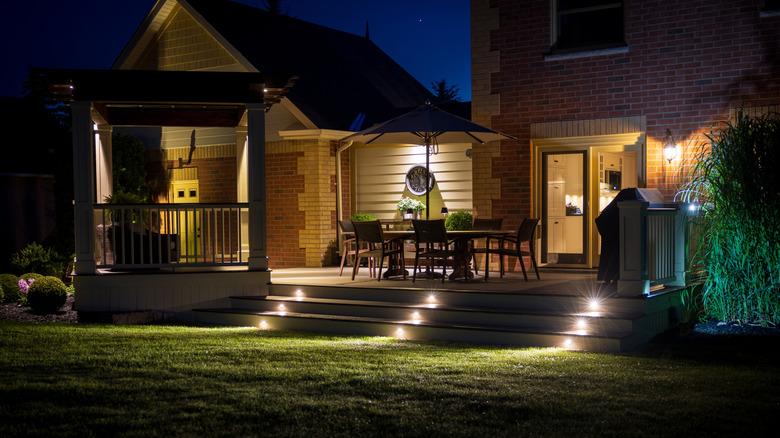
424, 124
427, 125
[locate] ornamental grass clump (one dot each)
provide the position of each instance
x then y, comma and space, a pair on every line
737, 183
47, 295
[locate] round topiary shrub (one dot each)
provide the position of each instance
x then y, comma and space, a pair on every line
47, 295
459, 221
10, 285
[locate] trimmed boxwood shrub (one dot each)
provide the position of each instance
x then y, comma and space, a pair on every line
10, 285
47, 295
459, 221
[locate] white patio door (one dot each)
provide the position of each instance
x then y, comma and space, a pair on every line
564, 208
572, 177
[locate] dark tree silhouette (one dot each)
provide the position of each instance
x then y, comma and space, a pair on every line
445, 93
275, 7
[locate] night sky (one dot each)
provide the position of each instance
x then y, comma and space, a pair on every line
428, 38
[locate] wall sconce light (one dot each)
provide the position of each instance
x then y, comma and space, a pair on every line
670, 147
445, 212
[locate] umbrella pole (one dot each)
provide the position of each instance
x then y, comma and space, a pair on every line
427, 177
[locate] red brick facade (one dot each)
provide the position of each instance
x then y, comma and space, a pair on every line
687, 65
284, 220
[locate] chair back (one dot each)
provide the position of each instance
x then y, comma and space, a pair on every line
526, 231
346, 227
430, 231
368, 231
487, 224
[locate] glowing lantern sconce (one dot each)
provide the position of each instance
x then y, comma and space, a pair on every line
670, 147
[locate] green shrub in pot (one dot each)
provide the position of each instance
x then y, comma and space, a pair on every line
459, 221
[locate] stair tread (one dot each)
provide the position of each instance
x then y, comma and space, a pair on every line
422, 306
481, 327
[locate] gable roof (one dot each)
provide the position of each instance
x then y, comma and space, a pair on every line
340, 75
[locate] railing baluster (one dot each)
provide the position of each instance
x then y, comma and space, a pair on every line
156, 235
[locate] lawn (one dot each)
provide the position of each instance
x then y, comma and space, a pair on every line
104, 380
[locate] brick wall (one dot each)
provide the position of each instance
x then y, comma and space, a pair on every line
283, 218
687, 65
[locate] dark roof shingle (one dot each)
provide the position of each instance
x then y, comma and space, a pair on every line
341, 75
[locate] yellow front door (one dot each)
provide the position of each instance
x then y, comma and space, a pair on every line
187, 220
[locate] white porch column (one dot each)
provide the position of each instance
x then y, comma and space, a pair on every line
104, 180
83, 187
242, 186
258, 254
633, 279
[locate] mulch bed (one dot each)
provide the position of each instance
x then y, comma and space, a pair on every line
13, 312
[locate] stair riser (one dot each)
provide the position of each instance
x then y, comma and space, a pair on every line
410, 332
438, 316
452, 298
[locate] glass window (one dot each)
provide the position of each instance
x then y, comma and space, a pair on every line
588, 24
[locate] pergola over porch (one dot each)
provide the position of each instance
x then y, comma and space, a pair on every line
102, 99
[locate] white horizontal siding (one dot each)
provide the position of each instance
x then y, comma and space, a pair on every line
381, 178
177, 137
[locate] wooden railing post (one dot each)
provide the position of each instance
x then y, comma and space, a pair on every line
633, 279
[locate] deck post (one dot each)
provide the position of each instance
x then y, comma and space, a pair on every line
633, 279
681, 248
83, 187
258, 255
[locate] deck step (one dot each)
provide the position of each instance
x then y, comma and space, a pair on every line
527, 318
373, 326
477, 316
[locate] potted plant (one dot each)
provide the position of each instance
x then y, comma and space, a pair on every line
459, 221
410, 207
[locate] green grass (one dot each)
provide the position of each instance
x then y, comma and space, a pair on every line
104, 380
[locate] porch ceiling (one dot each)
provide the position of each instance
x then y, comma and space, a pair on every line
168, 98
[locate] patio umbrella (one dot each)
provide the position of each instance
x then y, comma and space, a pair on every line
427, 125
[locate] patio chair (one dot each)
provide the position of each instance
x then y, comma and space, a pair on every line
350, 248
370, 233
524, 234
482, 224
431, 243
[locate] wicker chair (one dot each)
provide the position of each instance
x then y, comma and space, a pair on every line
370, 233
482, 224
431, 243
524, 234
349, 247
